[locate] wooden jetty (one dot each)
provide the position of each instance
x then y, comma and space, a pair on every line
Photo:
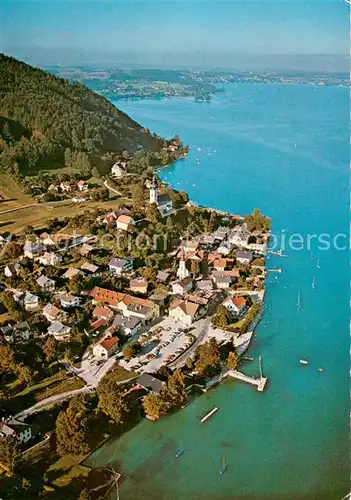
279, 253
260, 382
209, 415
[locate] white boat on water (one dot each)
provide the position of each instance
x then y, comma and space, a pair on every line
314, 282
298, 302
303, 362
318, 266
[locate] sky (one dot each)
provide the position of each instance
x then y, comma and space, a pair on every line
228, 34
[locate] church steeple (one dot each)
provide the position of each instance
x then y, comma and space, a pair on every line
154, 191
182, 269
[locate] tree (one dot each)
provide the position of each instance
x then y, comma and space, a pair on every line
149, 273
131, 350
207, 360
72, 427
154, 406
10, 454
232, 361
7, 358
137, 196
174, 394
75, 284
222, 318
111, 400
51, 349
195, 267
152, 213
26, 484
24, 373
84, 494
12, 250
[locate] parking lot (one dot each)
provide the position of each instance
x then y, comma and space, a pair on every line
168, 342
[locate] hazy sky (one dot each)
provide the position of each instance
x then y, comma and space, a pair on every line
216, 33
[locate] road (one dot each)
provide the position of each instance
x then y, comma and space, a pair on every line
18, 208
91, 374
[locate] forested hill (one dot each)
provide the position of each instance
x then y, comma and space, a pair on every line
42, 115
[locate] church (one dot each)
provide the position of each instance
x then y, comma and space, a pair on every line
163, 201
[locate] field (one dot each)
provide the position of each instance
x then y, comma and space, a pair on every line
11, 195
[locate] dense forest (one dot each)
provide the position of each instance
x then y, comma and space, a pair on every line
42, 116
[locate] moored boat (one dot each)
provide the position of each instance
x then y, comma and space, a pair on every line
180, 452
303, 362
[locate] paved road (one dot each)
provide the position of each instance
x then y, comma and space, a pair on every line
52, 400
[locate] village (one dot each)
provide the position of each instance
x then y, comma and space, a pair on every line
209, 285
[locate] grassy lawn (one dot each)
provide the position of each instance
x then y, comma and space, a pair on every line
38, 216
119, 373
11, 195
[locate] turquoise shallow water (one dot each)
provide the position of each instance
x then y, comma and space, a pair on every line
285, 150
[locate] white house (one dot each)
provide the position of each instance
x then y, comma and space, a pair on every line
89, 269
225, 247
50, 259
46, 284
65, 186
138, 285
68, 300
128, 325
33, 249
182, 286
117, 170
244, 257
235, 304
183, 311
120, 266
53, 313
16, 332
222, 281
124, 222
71, 273
82, 186
12, 270
30, 301
16, 428
59, 331
105, 348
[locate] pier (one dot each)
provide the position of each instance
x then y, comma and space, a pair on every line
209, 414
260, 382
279, 253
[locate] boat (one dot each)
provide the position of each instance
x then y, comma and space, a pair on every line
223, 468
313, 282
320, 369
318, 266
180, 452
303, 362
298, 302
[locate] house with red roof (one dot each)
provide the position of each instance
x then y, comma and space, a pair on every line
235, 304
105, 347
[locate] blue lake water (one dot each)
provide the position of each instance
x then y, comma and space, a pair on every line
284, 149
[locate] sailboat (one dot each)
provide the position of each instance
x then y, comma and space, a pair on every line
223, 468
298, 302
180, 452
314, 282
318, 266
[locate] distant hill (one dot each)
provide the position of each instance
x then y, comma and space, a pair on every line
42, 116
